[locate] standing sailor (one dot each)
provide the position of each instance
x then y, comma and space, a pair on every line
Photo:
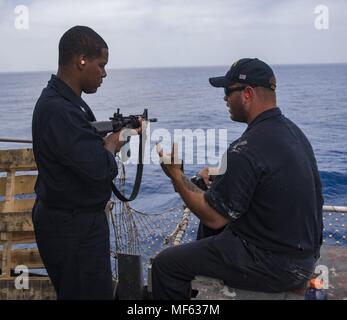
75, 169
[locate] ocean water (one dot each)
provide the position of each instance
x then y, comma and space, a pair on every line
313, 96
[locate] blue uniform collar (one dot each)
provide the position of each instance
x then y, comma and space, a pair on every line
271, 113
64, 90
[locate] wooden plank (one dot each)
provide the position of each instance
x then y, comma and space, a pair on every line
40, 288
24, 184
29, 257
18, 205
2, 186
6, 257
17, 159
8, 204
5, 236
16, 221
20, 237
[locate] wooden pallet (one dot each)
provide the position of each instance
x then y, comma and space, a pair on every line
16, 226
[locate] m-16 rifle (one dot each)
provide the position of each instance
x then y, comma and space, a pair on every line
119, 122
115, 124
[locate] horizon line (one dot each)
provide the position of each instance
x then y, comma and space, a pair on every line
183, 67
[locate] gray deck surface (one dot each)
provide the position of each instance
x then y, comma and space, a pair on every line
333, 257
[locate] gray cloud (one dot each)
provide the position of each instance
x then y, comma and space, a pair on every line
145, 33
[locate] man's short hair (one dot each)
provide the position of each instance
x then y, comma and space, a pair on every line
266, 94
80, 40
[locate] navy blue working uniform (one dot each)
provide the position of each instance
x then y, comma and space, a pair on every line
75, 172
271, 192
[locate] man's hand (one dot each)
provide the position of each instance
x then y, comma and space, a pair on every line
190, 193
142, 128
113, 143
171, 165
207, 176
116, 140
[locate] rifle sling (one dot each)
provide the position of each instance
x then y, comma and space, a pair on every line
138, 179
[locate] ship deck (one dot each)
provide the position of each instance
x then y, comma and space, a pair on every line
333, 264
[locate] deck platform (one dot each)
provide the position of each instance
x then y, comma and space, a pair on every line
333, 257
40, 288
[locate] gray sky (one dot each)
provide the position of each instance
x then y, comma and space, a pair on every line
158, 33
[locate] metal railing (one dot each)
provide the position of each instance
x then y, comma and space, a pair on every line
15, 140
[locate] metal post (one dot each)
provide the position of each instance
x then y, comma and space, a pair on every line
130, 275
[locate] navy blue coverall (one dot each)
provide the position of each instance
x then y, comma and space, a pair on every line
73, 186
271, 192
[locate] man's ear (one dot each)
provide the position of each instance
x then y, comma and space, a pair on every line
249, 93
81, 61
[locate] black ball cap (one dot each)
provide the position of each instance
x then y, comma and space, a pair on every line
248, 71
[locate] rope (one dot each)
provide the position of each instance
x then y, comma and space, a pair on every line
177, 235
